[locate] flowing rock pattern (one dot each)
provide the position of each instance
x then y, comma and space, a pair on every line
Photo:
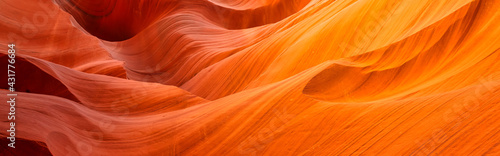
253, 77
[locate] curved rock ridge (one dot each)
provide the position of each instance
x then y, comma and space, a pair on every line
261, 77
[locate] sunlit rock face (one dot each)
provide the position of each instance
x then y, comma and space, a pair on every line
253, 77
